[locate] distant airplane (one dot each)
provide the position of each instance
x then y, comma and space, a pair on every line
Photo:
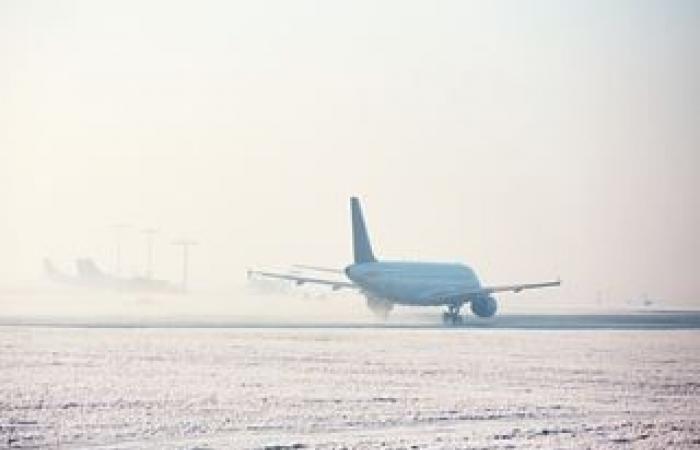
90, 276
386, 283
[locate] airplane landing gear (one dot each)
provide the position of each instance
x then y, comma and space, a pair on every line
452, 316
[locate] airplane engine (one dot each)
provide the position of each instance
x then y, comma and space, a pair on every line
484, 306
379, 307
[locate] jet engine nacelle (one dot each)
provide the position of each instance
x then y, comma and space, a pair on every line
379, 306
484, 306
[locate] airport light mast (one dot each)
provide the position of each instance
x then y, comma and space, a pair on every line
150, 241
118, 228
185, 244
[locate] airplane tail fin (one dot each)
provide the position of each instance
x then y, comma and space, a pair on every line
50, 270
362, 249
88, 269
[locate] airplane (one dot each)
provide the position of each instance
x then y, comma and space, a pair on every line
389, 283
89, 275
57, 276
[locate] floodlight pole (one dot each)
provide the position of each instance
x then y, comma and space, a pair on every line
118, 228
150, 235
185, 244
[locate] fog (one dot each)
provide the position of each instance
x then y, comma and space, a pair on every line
528, 139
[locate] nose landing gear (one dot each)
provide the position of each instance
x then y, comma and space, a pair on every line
452, 316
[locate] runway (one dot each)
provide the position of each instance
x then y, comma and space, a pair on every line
641, 320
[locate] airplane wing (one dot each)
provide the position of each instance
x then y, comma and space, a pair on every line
299, 280
519, 287
318, 268
461, 295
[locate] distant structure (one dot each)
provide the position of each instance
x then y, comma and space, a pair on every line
185, 244
89, 275
150, 241
118, 229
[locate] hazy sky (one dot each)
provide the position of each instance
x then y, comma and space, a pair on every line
529, 139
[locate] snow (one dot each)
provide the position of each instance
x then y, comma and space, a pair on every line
355, 388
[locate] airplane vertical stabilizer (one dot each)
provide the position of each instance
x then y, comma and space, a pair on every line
49, 268
88, 269
360, 239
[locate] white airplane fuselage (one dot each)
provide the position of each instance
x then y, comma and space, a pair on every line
412, 283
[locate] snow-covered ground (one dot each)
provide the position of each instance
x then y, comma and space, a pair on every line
355, 388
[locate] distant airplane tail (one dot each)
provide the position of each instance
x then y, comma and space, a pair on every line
54, 274
88, 269
362, 248
50, 269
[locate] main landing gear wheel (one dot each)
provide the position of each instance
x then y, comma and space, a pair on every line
452, 316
